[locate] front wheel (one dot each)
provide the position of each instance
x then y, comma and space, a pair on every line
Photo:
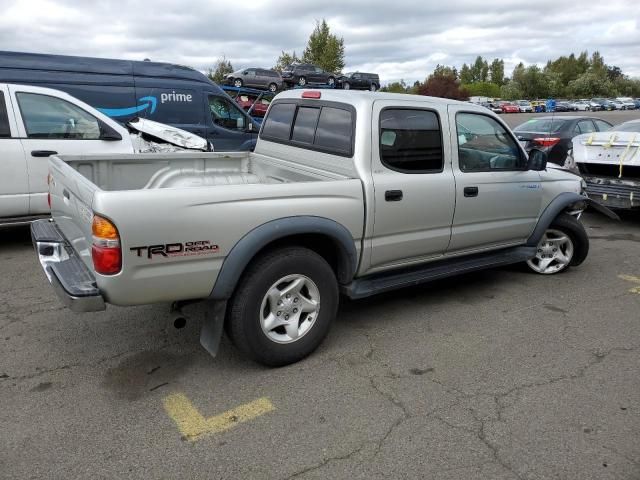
273, 87
346, 86
373, 87
564, 244
237, 83
331, 81
284, 306
302, 81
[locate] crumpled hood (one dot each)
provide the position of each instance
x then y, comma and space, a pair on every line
609, 148
172, 135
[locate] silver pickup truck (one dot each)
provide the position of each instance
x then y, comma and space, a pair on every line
351, 193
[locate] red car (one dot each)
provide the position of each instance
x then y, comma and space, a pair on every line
509, 108
245, 101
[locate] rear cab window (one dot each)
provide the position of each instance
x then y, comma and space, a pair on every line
5, 131
321, 126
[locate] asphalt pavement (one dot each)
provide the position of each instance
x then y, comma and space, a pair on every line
501, 374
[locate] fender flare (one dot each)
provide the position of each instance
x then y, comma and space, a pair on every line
258, 238
556, 207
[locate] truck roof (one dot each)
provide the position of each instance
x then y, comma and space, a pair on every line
354, 97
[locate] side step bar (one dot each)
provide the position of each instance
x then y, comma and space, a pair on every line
374, 284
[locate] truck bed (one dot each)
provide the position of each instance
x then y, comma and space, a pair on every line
135, 172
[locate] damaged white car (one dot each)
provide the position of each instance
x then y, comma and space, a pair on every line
609, 162
37, 122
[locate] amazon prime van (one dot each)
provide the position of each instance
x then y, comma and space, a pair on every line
124, 89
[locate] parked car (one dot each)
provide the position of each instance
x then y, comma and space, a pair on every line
254, 102
37, 122
359, 81
305, 73
495, 107
524, 106
265, 78
579, 105
627, 103
508, 107
617, 104
636, 102
594, 106
331, 201
552, 135
603, 104
609, 164
539, 106
123, 90
563, 107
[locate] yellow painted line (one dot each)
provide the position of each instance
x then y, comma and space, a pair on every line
631, 278
193, 425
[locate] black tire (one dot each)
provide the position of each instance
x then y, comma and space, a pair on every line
331, 81
346, 86
238, 83
243, 321
373, 87
273, 87
571, 226
302, 81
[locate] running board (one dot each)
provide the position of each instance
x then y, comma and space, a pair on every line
18, 221
374, 284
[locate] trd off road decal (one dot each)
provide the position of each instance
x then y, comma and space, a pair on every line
186, 249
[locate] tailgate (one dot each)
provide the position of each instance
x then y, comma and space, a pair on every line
71, 199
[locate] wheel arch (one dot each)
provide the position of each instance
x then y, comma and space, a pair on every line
326, 237
555, 208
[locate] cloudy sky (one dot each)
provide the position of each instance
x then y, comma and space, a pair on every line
398, 39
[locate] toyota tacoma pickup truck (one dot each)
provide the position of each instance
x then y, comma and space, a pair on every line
346, 193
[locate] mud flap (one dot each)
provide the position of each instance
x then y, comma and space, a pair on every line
211, 332
602, 209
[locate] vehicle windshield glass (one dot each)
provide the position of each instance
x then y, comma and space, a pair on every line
542, 125
628, 127
524, 103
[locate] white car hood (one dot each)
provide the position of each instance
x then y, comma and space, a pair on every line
172, 135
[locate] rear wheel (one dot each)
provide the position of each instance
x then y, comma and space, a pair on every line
564, 244
373, 87
331, 81
346, 86
273, 87
302, 81
284, 306
237, 82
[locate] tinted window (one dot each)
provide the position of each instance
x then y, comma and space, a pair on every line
278, 122
51, 117
631, 126
335, 130
542, 125
602, 125
586, 126
5, 132
484, 145
411, 140
225, 114
304, 127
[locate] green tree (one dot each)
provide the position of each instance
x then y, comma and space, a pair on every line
324, 49
592, 84
221, 69
284, 60
480, 70
483, 89
396, 87
466, 77
511, 91
496, 71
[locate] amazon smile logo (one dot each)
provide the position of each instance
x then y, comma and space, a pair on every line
145, 103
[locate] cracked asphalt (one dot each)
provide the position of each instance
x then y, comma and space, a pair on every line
499, 374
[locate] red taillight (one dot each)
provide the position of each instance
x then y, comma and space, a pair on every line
311, 94
546, 141
105, 251
106, 260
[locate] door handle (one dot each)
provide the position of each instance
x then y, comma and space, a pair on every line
393, 195
470, 191
43, 153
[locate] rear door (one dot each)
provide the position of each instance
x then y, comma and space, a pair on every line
14, 180
414, 187
497, 199
51, 125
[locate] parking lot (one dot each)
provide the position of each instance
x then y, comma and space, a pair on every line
614, 117
500, 374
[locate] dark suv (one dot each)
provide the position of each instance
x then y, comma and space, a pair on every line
360, 81
305, 73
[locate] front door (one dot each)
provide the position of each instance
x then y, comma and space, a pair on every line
414, 187
229, 129
497, 199
50, 126
14, 181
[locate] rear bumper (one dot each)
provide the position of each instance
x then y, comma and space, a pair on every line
614, 192
73, 282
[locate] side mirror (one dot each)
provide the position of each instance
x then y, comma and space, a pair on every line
537, 160
108, 134
246, 72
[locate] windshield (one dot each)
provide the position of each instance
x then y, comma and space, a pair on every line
632, 126
524, 103
541, 125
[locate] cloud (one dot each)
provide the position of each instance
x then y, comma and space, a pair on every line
402, 39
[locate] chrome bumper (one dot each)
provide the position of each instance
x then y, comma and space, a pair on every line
73, 282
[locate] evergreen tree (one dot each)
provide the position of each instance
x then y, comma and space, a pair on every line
324, 49
221, 69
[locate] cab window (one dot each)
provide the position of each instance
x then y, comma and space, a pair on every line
485, 145
5, 132
53, 118
225, 114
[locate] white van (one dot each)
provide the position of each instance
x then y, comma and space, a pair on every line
37, 122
